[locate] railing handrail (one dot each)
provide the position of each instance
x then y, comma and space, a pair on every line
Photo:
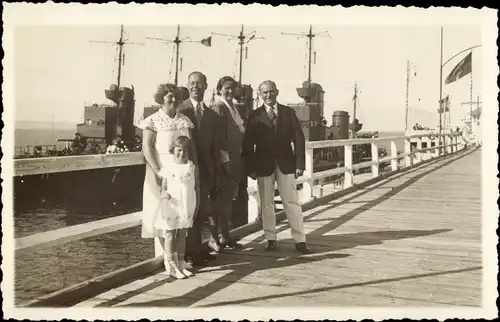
43, 165
104, 226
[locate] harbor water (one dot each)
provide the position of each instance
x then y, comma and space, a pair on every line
48, 270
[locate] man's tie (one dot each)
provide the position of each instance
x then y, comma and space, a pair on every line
273, 117
198, 113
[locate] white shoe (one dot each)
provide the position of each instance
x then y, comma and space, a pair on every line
172, 269
183, 266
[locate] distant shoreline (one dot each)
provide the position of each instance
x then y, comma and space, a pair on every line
34, 125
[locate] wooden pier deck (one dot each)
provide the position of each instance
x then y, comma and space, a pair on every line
413, 239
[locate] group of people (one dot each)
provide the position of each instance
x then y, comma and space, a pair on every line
192, 150
119, 146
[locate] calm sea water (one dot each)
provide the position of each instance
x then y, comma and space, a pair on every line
45, 271
41, 136
48, 270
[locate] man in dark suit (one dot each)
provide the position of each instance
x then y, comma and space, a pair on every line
208, 154
274, 150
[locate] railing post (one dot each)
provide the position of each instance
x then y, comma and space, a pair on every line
408, 156
158, 247
449, 142
375, 167
437, 148
418, 154
394, 154
253, 201
253, 207
307, 186
348, 175
442, 146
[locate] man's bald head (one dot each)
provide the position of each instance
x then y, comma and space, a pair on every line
268, 92
269, 84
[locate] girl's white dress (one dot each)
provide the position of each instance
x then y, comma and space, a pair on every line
177, 212
167, 130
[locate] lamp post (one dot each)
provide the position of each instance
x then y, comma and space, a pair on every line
441, 101
408, 71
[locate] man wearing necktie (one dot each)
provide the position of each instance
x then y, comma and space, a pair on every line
206, 139
274, 150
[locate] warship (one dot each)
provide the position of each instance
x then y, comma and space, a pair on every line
119, 189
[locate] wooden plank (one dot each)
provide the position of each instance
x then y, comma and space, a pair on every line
32, 166
73, 294
72, 233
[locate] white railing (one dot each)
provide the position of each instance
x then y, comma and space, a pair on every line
451, 143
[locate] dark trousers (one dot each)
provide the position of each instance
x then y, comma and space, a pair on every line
195, 233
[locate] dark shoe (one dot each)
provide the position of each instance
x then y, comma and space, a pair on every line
195, 260
207, 256
302, 248
271, 245
232, 245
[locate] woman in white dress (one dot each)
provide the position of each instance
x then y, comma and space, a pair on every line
160, 130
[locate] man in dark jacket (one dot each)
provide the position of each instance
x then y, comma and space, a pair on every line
274, 150
206, 138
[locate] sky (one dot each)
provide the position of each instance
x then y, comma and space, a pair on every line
58, 69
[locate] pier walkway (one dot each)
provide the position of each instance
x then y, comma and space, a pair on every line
410, 239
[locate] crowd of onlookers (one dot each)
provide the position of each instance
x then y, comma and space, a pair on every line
418, 127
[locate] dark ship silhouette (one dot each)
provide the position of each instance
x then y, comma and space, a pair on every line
119, 189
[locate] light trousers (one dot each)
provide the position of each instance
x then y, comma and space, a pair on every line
289, 196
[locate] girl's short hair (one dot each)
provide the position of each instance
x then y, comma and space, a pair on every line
181, 142
223, 80
164, 89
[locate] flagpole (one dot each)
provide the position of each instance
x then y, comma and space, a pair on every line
470, 105
440, 89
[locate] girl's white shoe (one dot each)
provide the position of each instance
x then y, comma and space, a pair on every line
172, 269
183, 266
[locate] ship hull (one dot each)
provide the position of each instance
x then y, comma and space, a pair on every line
114, 191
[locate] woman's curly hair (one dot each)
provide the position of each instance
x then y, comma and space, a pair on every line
164, 89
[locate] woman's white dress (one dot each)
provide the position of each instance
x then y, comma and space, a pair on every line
167, 130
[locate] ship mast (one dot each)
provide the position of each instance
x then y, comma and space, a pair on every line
310, 35
177, 42
242, 41
121, 55
120, 43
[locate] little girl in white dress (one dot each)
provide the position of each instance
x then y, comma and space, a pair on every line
177, 205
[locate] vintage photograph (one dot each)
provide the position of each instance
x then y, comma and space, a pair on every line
244, 164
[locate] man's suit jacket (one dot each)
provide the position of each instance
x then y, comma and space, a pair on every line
265, 148
231, 138
206, 138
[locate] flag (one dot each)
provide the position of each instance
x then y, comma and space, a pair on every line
463, 68
207, 41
